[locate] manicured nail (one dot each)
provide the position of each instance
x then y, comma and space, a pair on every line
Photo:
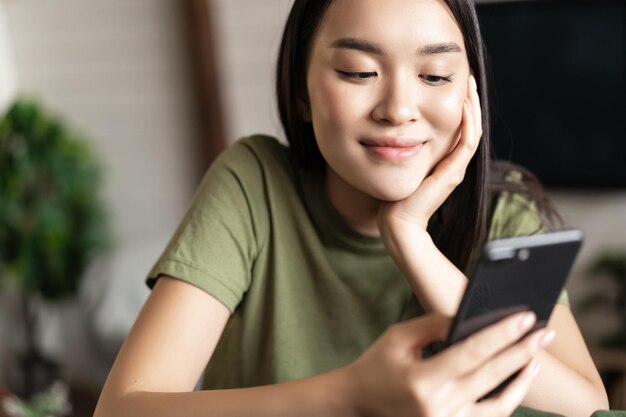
528, 319
473, 82
547, 339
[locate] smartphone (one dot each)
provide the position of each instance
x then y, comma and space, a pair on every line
515, 274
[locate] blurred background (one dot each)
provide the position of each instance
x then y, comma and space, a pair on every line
157, 88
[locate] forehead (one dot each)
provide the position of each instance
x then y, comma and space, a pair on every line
395, 24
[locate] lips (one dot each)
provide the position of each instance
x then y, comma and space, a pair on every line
393, 149
391, 142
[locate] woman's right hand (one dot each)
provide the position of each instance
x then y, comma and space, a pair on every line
392, 379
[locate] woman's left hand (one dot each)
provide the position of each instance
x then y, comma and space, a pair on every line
416, 210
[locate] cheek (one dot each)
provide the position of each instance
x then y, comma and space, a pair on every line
446, 114
328, 107
335, 105
451, 111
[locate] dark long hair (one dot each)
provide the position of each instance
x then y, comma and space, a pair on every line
457, 239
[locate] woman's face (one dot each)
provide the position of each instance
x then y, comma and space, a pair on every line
386, 83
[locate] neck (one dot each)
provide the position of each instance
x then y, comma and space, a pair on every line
358, 209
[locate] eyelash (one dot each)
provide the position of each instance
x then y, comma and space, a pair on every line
436, 80
359, 76
433, 80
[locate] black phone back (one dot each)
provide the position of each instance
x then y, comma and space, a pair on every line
515, 274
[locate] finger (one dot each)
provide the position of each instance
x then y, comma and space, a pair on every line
475, 105
487, 377
508, 400
472, 136
419, 332
471, 353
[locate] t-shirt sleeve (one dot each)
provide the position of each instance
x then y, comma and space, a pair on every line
514, 214
217, 241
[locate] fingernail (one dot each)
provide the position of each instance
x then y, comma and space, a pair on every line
528, 319
546, 339
473, 82
467, 105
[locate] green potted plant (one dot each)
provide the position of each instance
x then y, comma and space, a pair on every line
612, 265
53, 402
52, 224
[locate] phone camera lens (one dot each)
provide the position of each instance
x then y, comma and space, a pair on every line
523, 254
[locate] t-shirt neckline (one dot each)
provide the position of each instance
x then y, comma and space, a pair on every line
334, 230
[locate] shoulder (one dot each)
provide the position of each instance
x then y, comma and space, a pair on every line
514, 212
265, 150
248, 168
253, 162
259, 168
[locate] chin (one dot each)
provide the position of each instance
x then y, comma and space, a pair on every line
396, 193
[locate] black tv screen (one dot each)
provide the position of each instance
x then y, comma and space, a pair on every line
557, 88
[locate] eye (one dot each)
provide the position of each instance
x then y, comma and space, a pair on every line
357, 75
435, 80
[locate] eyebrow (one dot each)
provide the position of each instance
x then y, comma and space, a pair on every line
358, 44
371, 48
440, 48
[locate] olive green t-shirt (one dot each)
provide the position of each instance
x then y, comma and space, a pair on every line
307, 294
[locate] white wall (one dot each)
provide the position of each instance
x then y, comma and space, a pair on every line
249, 32
118, 72
8, 77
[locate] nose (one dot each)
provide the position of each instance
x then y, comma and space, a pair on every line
399, 102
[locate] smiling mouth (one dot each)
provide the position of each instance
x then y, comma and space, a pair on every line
393, 149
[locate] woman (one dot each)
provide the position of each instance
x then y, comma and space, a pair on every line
293, 267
